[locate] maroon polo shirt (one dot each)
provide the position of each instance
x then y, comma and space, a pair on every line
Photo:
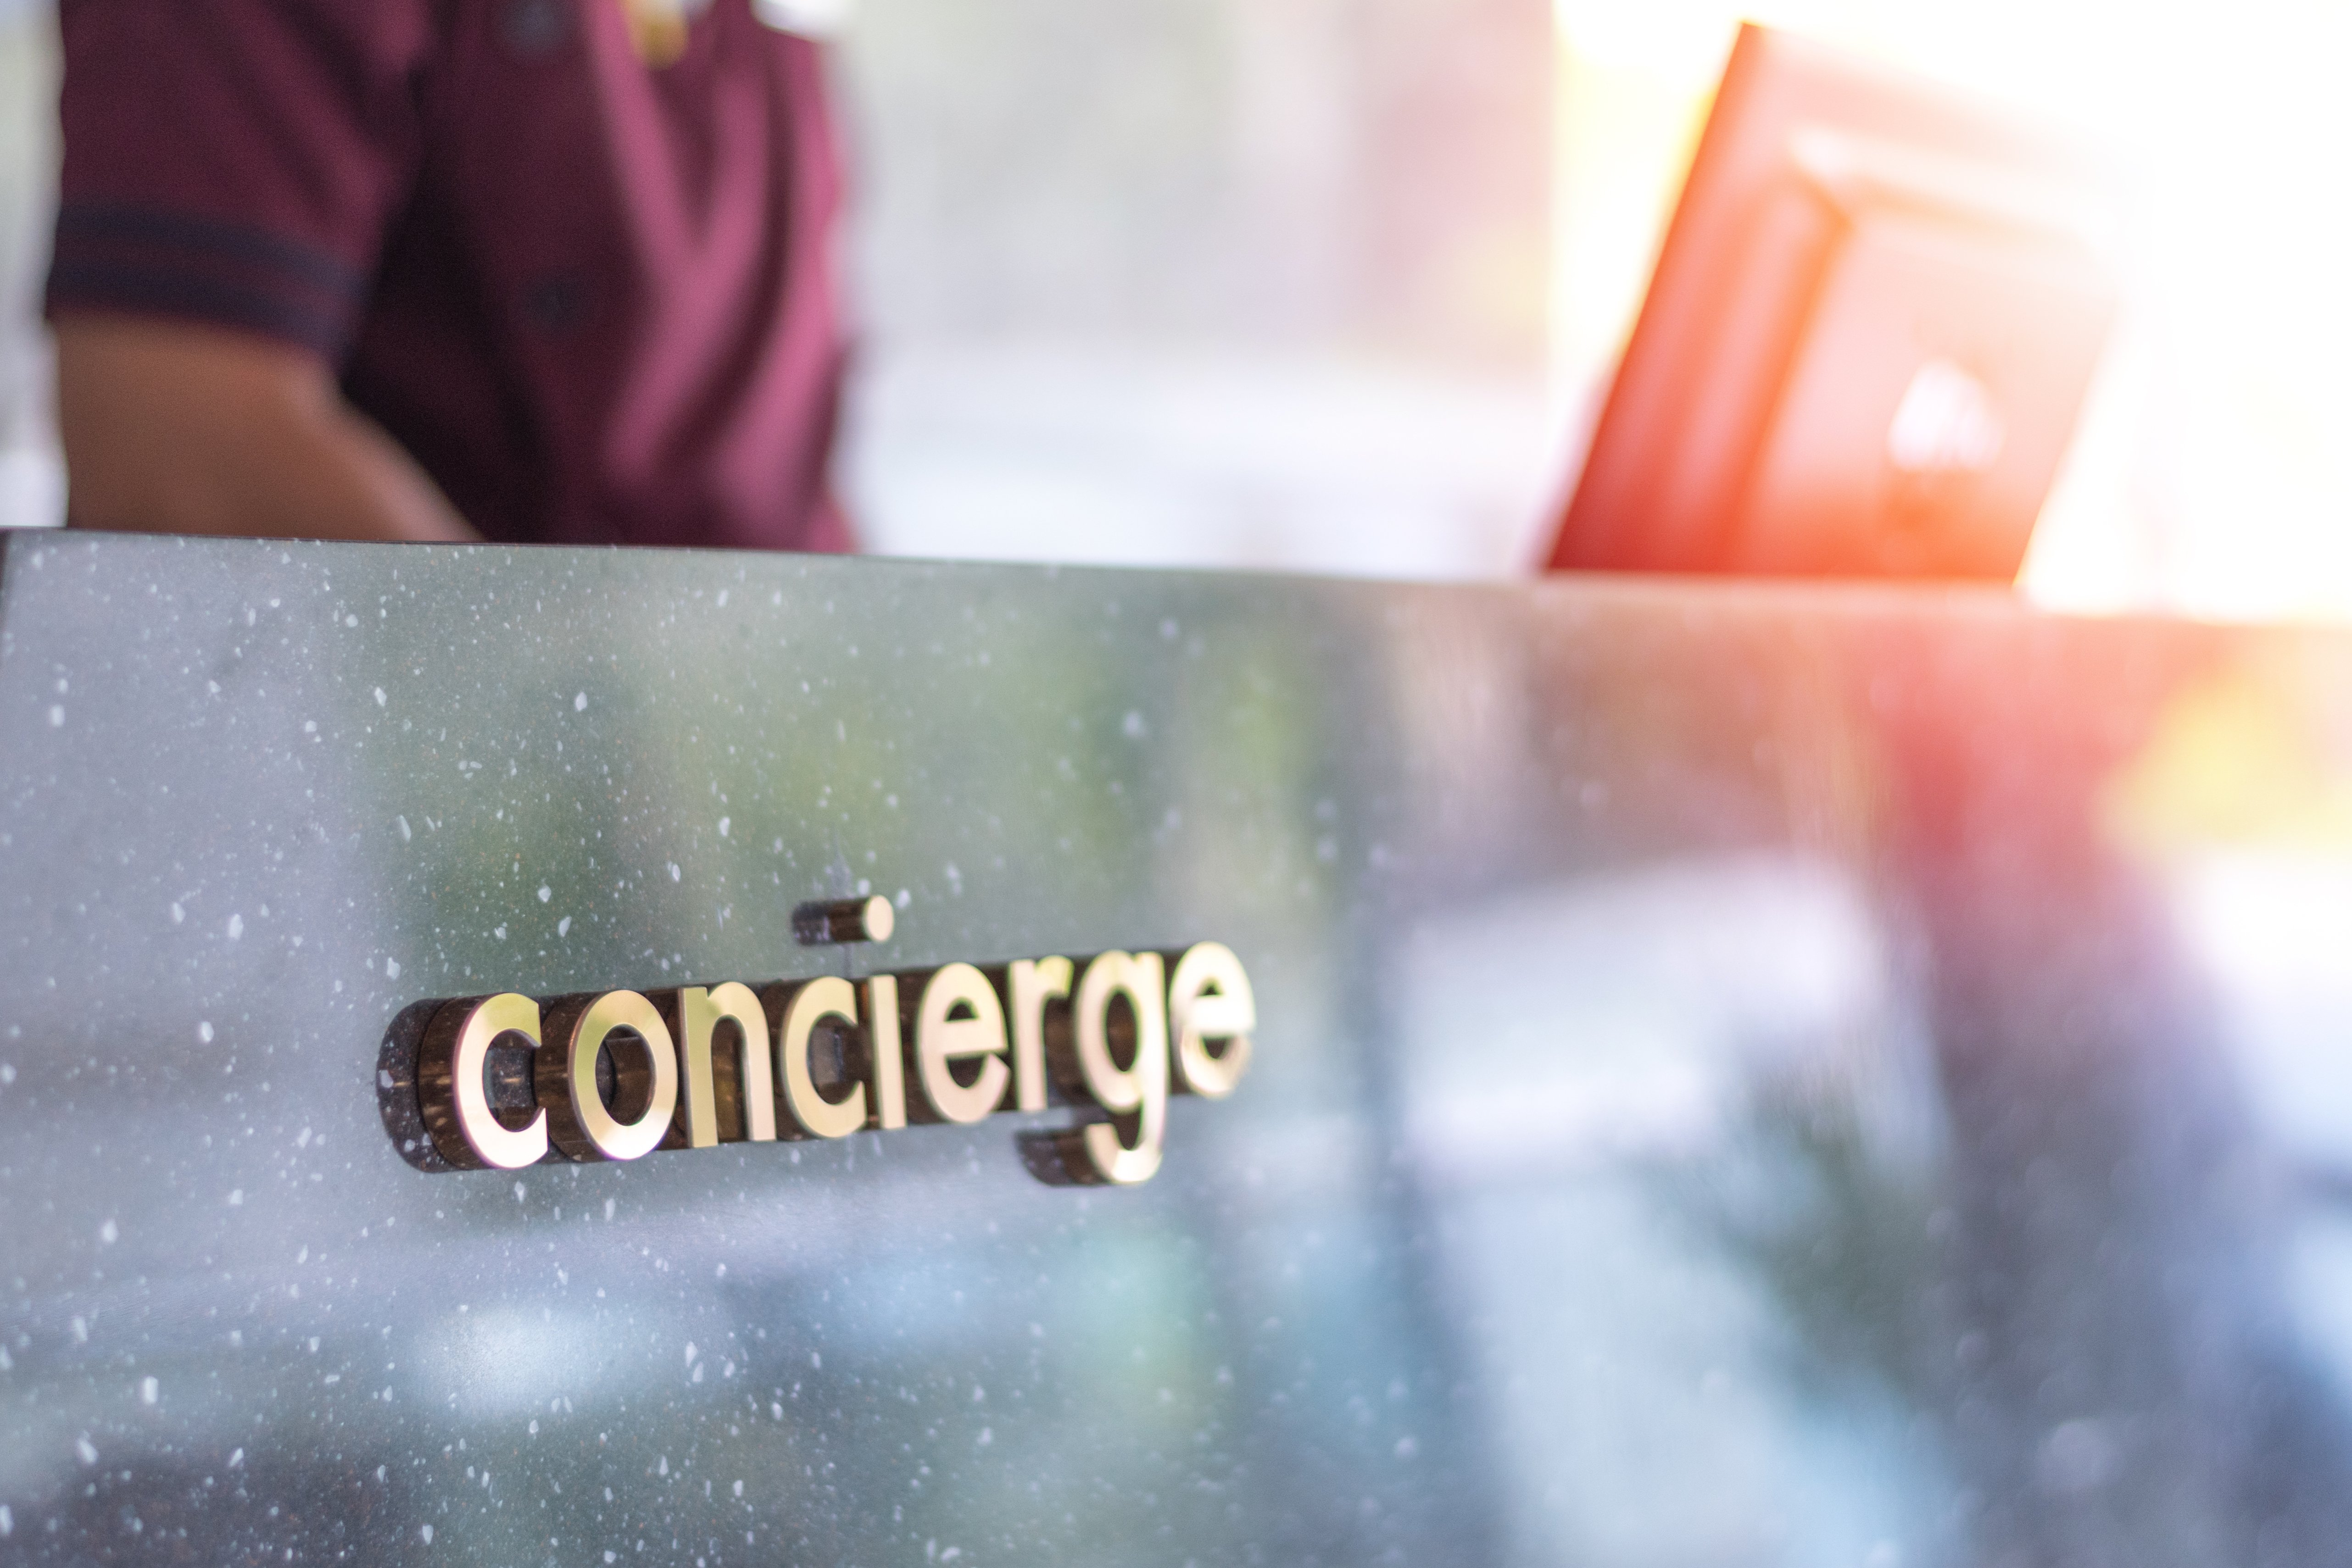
595, 298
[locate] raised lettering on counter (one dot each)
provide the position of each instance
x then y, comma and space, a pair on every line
616, 1074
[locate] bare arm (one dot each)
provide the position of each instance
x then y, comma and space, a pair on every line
170, 427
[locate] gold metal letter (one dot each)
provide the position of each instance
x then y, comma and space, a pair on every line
646, 1077
1209, 998
1032, 983
810, 1005
881, 999
450, 1092
697, 1014
1139, 1090
941, 1040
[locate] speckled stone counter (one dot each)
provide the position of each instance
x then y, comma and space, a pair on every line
1789, 1075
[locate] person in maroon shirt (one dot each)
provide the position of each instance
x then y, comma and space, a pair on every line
534, 270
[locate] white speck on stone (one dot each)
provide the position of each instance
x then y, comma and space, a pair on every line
149, 1391
522, 1192
9, 1526
7, 1073
57, 716
205, 1031
674, 873
235, 1458
302, 1141
351, 620
110, 1233
425, 1530
81, 1326
545, 894
236, 1197
534, 1428
87, 1450
380, 698
391, 968
689, 1353
724, 821
563, 926
309, 726
236, 926
580, 703
178, 914
404, 834
499, 932
1133, 725
608, 1209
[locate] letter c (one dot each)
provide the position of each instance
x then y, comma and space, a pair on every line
450, 1092
812, 1004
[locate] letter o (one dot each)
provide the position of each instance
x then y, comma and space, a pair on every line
582, 1124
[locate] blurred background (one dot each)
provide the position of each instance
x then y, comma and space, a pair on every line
1337, 285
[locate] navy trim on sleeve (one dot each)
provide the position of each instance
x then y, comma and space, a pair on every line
101, 285
156, 226
152, 259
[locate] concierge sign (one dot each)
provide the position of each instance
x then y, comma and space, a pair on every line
508, 1080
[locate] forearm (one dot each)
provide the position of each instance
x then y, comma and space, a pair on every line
171, 428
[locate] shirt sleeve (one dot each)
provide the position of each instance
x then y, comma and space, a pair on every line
236, 161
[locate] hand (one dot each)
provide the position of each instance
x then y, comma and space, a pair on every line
173, 427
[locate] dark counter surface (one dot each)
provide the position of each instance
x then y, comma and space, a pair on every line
1743, 1075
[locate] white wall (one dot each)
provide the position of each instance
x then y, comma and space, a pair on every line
1255, 283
